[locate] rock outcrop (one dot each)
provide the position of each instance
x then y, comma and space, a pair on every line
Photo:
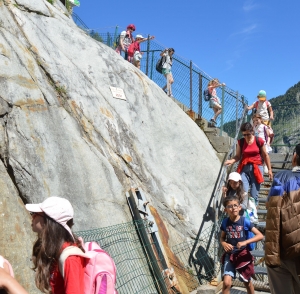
62, 133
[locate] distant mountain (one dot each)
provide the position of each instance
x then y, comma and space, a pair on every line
286, 118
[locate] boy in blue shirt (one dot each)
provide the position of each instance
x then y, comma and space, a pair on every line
237, 256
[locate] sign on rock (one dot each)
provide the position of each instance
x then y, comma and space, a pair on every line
118, 93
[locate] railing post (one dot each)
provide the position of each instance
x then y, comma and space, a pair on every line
222, 113
148, 48
152, 63
200, 95
237, 111
191, 86
243, 101
116, 35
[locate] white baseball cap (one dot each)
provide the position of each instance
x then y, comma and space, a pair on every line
57, 208
235, 177
139, 36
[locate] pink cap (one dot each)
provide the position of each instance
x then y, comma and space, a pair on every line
57, 208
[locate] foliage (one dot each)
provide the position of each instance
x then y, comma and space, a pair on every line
287, 117
51, 1
61, 90
96, 36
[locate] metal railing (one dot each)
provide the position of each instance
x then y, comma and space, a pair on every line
134, 267
189, 81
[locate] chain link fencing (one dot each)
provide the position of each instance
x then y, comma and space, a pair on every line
189, 81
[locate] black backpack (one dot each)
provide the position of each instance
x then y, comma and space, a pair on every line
206, 95
160, 63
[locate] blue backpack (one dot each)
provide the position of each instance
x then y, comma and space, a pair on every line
206, 95
248, 234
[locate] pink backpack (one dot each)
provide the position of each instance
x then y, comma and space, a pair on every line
100, 270
4, 261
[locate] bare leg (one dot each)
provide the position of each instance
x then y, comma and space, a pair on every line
250, 288
227, 281
170, 81
217, 111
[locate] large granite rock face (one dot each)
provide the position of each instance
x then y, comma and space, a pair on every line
62, 133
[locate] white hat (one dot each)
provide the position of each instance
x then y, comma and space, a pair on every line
235, 177
139, 36
57, 208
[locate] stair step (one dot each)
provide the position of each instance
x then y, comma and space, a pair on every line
262, 199
258, 253
264, 189
261, 224
260, 270
262, 211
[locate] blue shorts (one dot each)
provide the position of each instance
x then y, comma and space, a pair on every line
229, 268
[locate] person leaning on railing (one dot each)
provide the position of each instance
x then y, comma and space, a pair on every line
251, 152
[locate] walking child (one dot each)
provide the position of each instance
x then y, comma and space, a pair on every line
262, 131
52, 220
125, 39
237, 257
214, 101
134, 50
263, 107
235, 188
166, 70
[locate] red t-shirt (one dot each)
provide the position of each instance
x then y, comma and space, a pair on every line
252, 150
73, 283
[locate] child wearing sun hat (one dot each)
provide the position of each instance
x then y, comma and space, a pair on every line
263, 108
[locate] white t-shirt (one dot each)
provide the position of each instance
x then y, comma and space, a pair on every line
168, 63
260, 131
262, 109
126, 39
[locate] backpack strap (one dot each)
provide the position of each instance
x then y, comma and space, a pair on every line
70, 250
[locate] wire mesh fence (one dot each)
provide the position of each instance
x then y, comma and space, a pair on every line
189, 81
122, 242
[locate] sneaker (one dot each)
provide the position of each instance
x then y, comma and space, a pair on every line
266, 169
213, 121
171, 96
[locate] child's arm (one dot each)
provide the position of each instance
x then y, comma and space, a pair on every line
271, 113
227, 247
163, 52
250, 107
145, 39
258, 236
10, 284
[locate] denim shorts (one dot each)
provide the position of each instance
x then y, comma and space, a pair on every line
165, 71
229, 269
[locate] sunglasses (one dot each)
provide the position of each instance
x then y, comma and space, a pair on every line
230, 206
247, 135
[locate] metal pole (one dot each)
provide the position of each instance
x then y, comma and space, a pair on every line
152, 63
200, 95
191, 85
147, 245
148, 48
243, 101
115, 37
222, 113
237, 111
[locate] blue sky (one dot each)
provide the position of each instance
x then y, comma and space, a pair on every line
249, 45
